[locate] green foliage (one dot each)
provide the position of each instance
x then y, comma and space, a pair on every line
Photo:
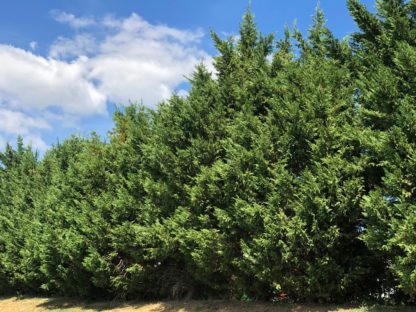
290, 171
387, 98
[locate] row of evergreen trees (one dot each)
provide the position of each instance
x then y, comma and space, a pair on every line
292, 171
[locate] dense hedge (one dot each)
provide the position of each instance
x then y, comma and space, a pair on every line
291, 172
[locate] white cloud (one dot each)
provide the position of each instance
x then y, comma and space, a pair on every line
35, 141
135, 60
136, 25
13, 123
31, 82
80, 45
113, 59
71, 20
3, 142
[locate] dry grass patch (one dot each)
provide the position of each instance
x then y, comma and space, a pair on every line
73, 305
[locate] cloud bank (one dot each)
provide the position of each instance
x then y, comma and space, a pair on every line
105, 60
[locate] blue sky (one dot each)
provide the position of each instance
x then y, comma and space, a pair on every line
66, 63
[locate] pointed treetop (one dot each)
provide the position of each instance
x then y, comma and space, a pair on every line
248, 32
365, 20
319, 17
320, 37
200, 75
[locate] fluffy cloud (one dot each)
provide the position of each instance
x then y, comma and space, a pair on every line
108, 59
19, 123
67, 48
135, 61
15, 123
71, 20
31, 82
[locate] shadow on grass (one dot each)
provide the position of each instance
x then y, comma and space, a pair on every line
183, 306
80, 304
170, 306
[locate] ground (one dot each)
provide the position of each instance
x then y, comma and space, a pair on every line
72, 305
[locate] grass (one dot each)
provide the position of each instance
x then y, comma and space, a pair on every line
14, 304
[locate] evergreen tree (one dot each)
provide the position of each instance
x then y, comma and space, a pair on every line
290, 170
385, 47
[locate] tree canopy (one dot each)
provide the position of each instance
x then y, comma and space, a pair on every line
290, 170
